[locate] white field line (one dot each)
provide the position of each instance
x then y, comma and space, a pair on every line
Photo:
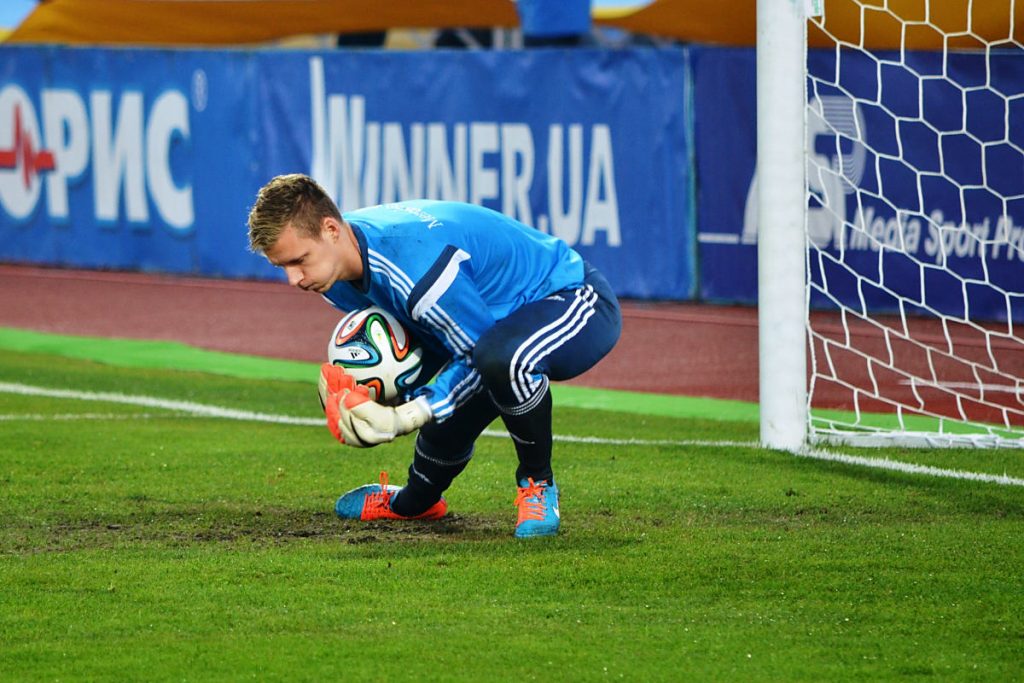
204, 410
568, 438
197, 409
910, 468
41, 417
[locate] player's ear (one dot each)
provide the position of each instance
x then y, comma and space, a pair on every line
329, 228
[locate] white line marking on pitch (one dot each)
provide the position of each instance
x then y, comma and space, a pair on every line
198, 409
568, 438
204, 410
41, 417
910, 468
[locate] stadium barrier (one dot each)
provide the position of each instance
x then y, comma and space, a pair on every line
150, 159
644, 160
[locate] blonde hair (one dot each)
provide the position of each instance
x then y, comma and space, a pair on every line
294, 199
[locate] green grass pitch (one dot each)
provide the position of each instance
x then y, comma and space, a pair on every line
140, 543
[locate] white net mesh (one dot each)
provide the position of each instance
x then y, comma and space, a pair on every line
915, 224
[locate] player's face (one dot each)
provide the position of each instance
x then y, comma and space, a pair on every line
310, 264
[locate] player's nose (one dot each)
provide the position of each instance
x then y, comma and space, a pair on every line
294, 276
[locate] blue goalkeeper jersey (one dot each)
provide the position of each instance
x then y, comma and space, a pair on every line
449, 271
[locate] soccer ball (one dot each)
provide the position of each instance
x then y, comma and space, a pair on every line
375, 348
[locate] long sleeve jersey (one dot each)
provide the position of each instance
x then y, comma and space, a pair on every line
449, 271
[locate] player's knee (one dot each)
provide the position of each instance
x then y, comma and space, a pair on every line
493, 359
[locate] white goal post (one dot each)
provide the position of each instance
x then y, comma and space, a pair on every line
891, 204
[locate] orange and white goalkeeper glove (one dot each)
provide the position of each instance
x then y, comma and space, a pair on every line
355, 420
333, 385
333, 379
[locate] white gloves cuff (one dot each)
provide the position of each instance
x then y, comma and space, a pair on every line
413, 414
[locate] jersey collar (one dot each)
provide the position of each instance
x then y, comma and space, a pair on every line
363, 284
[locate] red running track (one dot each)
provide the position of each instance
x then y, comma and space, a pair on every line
685, 349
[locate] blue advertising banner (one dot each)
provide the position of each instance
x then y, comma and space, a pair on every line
150, 159
588, 145
124, 159
915, 170
725, 142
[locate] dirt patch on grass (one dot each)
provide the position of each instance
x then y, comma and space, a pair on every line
273, 527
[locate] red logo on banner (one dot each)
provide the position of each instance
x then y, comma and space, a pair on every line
23, 153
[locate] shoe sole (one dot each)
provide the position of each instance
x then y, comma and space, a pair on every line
536, 534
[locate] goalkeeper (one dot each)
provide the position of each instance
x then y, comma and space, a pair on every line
503, 307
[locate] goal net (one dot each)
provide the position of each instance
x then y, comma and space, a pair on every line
914, 222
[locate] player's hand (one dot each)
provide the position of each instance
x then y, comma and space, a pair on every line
355, 420
363, 423
333, 385
333, 379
